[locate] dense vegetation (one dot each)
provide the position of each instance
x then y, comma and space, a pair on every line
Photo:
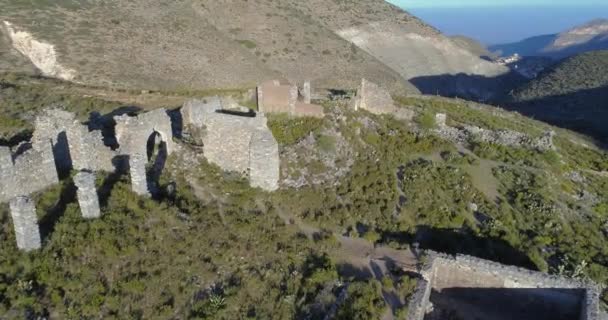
217, 249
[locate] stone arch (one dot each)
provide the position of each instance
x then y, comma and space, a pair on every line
134, 134
156, 152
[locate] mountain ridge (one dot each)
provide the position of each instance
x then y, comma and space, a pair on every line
590, 36
229, 43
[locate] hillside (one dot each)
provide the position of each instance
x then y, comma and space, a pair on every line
354, 190
231, 43
573, 93
588, 37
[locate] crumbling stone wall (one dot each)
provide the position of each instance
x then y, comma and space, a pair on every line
74, 146
374, 99
230, 141
25, 222
276, 98
88, 151
32, 171
507, 138
443, 272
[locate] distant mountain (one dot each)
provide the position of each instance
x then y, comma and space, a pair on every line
158, 44
572, 93
587, 37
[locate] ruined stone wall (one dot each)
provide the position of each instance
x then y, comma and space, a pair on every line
87, 149
32, 171
374, 99
235, 143
74, 146
276, 98
443, 271
133, 133
264, 161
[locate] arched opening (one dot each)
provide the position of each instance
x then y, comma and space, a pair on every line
156, 150
61, 155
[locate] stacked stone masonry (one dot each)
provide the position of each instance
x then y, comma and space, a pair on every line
88, 200
274, 97
443, 274
374, 99
134, 134
27, 232
241, 144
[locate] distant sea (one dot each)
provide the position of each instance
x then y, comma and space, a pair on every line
497, 25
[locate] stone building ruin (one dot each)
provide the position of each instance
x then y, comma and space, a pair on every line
470, 288
378, 101
274, 97
61, 144
238, 143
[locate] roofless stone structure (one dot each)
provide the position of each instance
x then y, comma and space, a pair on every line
239, 143
473, 288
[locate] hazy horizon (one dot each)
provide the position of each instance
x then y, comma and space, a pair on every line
496, 24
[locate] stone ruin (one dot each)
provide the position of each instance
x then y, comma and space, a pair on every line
274, 97
468, 288
139, 137
60, 144
466, 133
239, 143
376, 100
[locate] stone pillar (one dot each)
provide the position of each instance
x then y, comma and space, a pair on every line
6, 170
139, 179
6, 160
306, 92
264, 162
261, 107
25, 221
293, 98
440, 119
87, 195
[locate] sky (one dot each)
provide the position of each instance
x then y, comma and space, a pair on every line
504, 21
493, 3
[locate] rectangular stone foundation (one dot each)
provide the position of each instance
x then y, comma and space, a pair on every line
25, 222
467, 288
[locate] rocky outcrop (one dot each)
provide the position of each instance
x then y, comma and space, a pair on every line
41, 54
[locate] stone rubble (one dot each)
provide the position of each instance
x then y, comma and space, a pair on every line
506, 138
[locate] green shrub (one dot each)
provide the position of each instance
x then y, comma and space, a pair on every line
289, 130
363, 302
